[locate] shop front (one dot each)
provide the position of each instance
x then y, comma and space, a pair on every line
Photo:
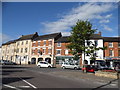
61, 59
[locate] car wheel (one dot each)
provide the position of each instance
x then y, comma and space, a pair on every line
75, 68
49, 66
39, 66
63, 67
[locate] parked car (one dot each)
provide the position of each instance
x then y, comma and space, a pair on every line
88, 68
117, 67
70, 66
44, 64
7, 62
100, 65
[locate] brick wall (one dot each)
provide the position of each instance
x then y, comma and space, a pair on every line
115, 49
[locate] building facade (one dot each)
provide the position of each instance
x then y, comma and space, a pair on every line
8, 50
112, 53
113, 47
43, 48
97, 40
52, 48
61, 50
18, 50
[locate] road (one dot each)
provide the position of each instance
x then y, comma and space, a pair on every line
19, 77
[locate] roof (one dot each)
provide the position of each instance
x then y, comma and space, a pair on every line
9, 42
111, 39
47, 36
96, 36
23, 37
63, 39
27, 37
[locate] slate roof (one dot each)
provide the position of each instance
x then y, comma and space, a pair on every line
23, 37
47, 36
9, 42
111, 39
65, 38
27, 37
96, 36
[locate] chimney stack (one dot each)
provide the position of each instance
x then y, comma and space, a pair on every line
99, 33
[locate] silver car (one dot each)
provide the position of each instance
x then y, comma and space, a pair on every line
70, 66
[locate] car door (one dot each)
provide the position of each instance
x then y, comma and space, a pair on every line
72, 66
67, 65
45, 64
41, 64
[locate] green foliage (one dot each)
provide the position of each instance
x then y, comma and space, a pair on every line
80, 32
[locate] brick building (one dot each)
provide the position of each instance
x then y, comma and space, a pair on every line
112, 53
43, 48
61, 51
113, 46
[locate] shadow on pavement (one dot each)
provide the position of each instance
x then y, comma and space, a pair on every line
8, 80
9, 69
7, 72
13, 66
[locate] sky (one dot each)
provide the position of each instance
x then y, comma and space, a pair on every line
22, 18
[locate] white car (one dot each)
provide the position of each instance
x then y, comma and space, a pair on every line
70, 66
44, 64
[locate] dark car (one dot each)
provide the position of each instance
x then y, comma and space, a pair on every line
88, 68
7, 62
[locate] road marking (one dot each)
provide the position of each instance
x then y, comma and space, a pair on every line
28, 83
24, 86
9, 86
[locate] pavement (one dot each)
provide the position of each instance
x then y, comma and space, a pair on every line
30, 76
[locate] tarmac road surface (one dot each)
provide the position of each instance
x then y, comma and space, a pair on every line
19, 77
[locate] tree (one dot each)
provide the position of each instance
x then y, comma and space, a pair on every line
80, 34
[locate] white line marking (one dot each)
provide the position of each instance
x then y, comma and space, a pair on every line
28, 83
24, 86
9, 86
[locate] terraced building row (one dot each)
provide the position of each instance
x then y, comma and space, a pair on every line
52, 48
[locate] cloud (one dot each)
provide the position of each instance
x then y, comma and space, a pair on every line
90, 11
107, 28
104, 21
4, 38
108, 16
